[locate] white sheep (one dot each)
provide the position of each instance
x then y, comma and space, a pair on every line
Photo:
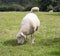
35, 9
29, 25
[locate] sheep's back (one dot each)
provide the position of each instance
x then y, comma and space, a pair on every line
30, 21
31, 17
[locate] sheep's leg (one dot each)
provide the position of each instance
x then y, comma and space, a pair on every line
26, 39
32, 37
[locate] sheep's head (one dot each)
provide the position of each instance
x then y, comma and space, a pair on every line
21, 38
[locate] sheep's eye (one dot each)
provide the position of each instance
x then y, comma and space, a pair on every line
19, 37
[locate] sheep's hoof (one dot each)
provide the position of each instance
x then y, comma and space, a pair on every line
32, 42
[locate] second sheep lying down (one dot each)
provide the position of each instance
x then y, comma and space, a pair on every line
29, 25
35, 9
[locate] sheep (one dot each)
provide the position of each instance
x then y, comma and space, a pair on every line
30, 23
35, 9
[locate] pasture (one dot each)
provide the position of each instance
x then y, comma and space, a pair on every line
47, 41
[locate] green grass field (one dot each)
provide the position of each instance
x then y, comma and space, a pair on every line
47, 42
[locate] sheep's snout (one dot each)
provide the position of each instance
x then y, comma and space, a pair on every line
20, 41
21, 38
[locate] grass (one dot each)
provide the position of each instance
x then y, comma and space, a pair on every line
47, 42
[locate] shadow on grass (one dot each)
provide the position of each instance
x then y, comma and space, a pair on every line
41, 42
55, 53
48, 42
12, 42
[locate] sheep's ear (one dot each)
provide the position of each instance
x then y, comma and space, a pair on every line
23, 35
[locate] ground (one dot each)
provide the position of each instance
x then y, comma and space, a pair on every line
47, 38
